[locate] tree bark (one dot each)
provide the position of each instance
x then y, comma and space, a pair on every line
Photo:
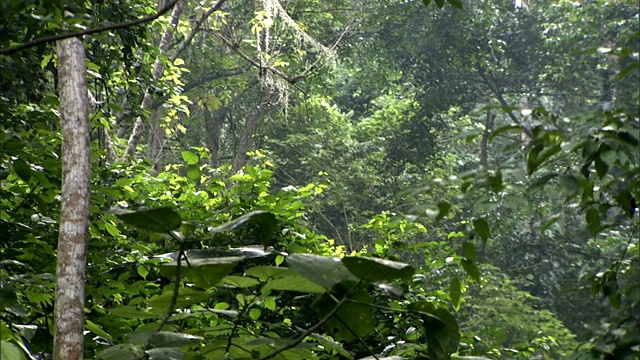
244, 145
213, 123
74, 218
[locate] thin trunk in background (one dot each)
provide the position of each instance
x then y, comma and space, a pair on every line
213, 120
74, 218
250, 125
156, 136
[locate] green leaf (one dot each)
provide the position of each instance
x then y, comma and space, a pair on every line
443, 210
443, 334
426, 2
354, 319
469, 251
532, 159
132, 312
11, 351
165, 353
160, 220
502, 129
440, 3
203, 272
593, 221
540, 182
266, 272
193, 173
628, 138
96, 329
22, 169
239, 281
265, 220
455, 290
377, 270
322, 270
455, 3
569, 182
495, 181
481, 227
111, 229
601, 167
549, 223
471, 269
331, 345
190, 158
626, 201
122, 352
170, 339
186, 297
295, 283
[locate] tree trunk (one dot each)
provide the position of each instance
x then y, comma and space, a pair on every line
213, 120
74, 218
157, 71
244, 145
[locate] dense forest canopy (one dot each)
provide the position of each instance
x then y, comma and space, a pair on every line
304, 179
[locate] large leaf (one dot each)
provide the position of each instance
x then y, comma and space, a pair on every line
481, 227
331, 345
186, 297
165, 353
11, 351
132, 312
266, 222
352, 320
205, 272
455, 290
295, 283
377, 270
160, 220
122, 352
441, 328
168, 339
322, 270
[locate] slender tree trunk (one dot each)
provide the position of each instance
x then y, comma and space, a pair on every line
157, 71
76, 177
244, 145
213, 120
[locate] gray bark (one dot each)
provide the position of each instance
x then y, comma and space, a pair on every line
74, 218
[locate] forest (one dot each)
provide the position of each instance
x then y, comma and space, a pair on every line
305, 179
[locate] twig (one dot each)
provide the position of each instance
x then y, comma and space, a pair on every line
53, 38
172, 304
307, 332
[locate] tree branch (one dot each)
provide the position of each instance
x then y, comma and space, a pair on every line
307, 332
53, 38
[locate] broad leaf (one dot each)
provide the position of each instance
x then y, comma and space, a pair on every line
190, 158
295, 283
455, 291
443, 334
132, 312
122, 352
165, 353
471, 269
160, 220
469, 251
186, 297
352, 320
377, 270
322, 270
481, 227
205, 272
11, 351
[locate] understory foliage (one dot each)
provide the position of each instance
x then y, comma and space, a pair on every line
331, 180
